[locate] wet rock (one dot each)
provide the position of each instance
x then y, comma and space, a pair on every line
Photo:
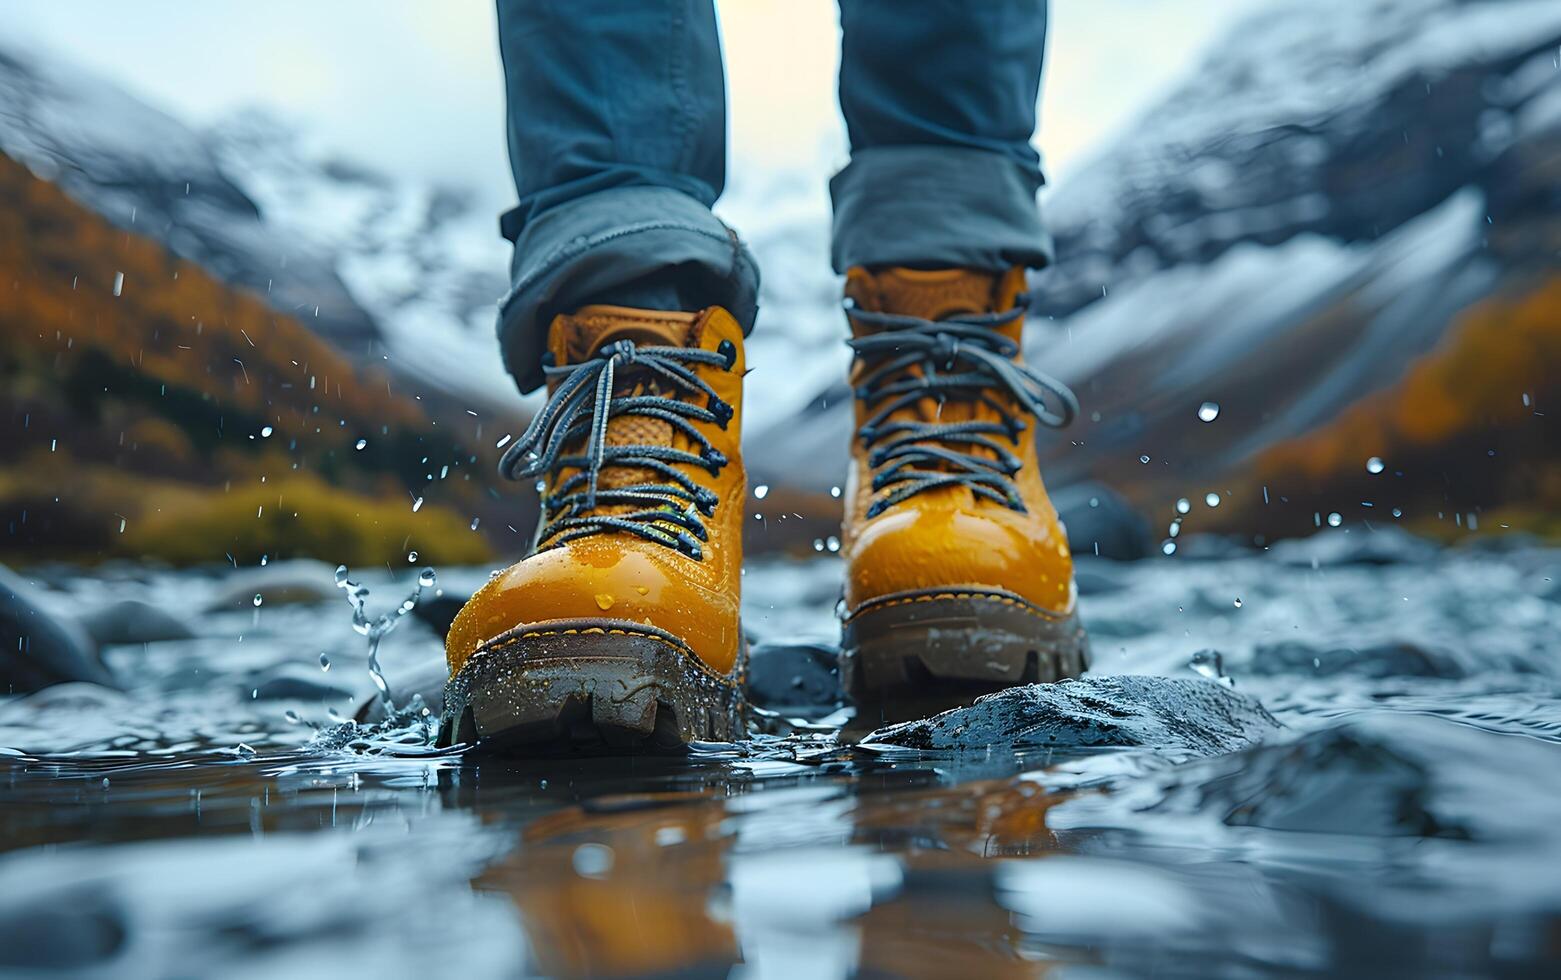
1355, 546
1401, 776
71, 697
439, 611
1212, 547
1392, 659
1101, 522
290, 683
81, 928
1095, 712
790, 677
1097, 576
299, 581
133, 621
427, 680
39, 648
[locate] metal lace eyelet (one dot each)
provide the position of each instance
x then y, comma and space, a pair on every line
721, 410
728, 350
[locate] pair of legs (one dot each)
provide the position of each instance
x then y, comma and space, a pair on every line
630, 300
617, 138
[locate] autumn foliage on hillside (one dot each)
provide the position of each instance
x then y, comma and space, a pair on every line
1471, 435
149, 410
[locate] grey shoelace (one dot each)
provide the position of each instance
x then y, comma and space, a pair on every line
961, 358
578, 412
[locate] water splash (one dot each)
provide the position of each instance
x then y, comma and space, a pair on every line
377, 629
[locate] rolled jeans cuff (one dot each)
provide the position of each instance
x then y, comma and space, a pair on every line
567, 255
937, 206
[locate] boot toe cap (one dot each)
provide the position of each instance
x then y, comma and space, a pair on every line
600, 581
915, 549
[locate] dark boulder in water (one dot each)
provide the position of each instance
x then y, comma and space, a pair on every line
1101, 522
1379, 660
439, 610
1200, 716
790, 676
1334, 546
130, 621
426, 681
299, 581
38, 648
1405, 776
292, 684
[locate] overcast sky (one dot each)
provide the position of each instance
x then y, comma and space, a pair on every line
413, 86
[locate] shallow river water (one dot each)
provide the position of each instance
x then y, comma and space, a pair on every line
1400, 813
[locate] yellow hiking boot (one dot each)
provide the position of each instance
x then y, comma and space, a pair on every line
620, 630
958, 577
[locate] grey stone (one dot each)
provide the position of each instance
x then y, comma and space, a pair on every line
39, 648
1199, 716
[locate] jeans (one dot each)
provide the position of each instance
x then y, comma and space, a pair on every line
617, 140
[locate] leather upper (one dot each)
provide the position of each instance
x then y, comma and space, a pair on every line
616, 575
949, 538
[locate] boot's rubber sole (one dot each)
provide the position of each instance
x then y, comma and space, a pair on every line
590, 686
914, 654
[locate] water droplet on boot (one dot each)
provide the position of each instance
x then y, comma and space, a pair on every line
604, 601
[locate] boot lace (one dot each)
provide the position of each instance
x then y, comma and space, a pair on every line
961, 358
669, 512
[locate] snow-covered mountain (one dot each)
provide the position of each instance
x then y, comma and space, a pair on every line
1288, 231
149, 173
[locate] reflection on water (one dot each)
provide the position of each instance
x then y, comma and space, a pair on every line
1399, 823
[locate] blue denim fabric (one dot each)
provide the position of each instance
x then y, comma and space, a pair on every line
617, 139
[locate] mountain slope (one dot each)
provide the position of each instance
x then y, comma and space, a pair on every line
1294, 229
152, 410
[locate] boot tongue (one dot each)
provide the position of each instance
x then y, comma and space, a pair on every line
932, 294
579, 335
935, 294
574, 338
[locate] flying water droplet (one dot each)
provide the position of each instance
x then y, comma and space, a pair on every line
1334, 519
475, 522
259, 598
427, 578
265, 431
1208, 411
361, 444
412, 556
834, 491
1238, 602
325, 662
1374, 465
1183, 505
1169, 548
832, 543
1143, 459
1211, 499
761, 491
